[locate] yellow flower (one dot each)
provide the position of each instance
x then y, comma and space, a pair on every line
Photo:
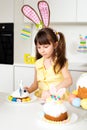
75, 92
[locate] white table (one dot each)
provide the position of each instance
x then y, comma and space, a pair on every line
28, 116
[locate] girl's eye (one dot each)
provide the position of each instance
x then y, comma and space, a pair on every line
46, 46
38, 47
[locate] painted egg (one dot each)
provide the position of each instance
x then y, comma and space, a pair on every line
76, 102
84, 103
75, 92
14, 99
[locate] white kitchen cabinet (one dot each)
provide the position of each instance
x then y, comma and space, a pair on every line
6, 78
24, 73
60, 10
82, 10
63, 10
75, 75
6, 11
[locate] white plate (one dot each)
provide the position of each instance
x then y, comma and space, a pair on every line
33, 98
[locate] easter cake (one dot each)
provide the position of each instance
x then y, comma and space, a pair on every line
78, 98
20, 95
54, 108
82, 86
55, 111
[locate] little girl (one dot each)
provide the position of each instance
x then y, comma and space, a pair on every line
51, 67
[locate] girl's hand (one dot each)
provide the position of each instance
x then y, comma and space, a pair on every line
45, 95
61, 92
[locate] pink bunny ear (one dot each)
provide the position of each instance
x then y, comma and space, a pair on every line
31, 14
44, 12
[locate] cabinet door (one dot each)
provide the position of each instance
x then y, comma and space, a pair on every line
6, 78
6, 11
63, 10
26, 74
75, 75
82, 10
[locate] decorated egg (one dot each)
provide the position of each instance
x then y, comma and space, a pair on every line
76, 102
10, 98
84, 103
75, 92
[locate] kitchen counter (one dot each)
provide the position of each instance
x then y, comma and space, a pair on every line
78, 67
72, 66
28, 116
24, 65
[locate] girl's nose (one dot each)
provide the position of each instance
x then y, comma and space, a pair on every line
42, 50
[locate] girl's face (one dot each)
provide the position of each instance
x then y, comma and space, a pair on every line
45, 50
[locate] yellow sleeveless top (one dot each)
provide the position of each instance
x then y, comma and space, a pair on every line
47, 77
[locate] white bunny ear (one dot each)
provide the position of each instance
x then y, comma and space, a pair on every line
61, 92
44, 12
31, 14
52, 90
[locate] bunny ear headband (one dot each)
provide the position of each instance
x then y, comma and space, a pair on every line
44, 11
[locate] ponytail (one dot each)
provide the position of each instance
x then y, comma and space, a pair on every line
60, 52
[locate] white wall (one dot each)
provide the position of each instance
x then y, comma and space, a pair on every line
72, 32
21, 46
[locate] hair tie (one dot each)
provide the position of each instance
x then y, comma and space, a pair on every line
58, 36
56, 33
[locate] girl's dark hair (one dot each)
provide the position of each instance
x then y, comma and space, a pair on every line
48, 36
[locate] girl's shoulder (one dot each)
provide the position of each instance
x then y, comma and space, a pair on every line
39, 60
66, 64
39, 63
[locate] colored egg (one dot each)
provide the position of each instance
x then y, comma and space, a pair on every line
76, 102
10, 98
18, 100
28, 99
23, 100
75, 92
14, 99
84, 103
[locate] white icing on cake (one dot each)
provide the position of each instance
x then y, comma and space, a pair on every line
18, 95
54, 109
82, 81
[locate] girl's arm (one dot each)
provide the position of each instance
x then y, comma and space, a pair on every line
34, 85
67, 78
